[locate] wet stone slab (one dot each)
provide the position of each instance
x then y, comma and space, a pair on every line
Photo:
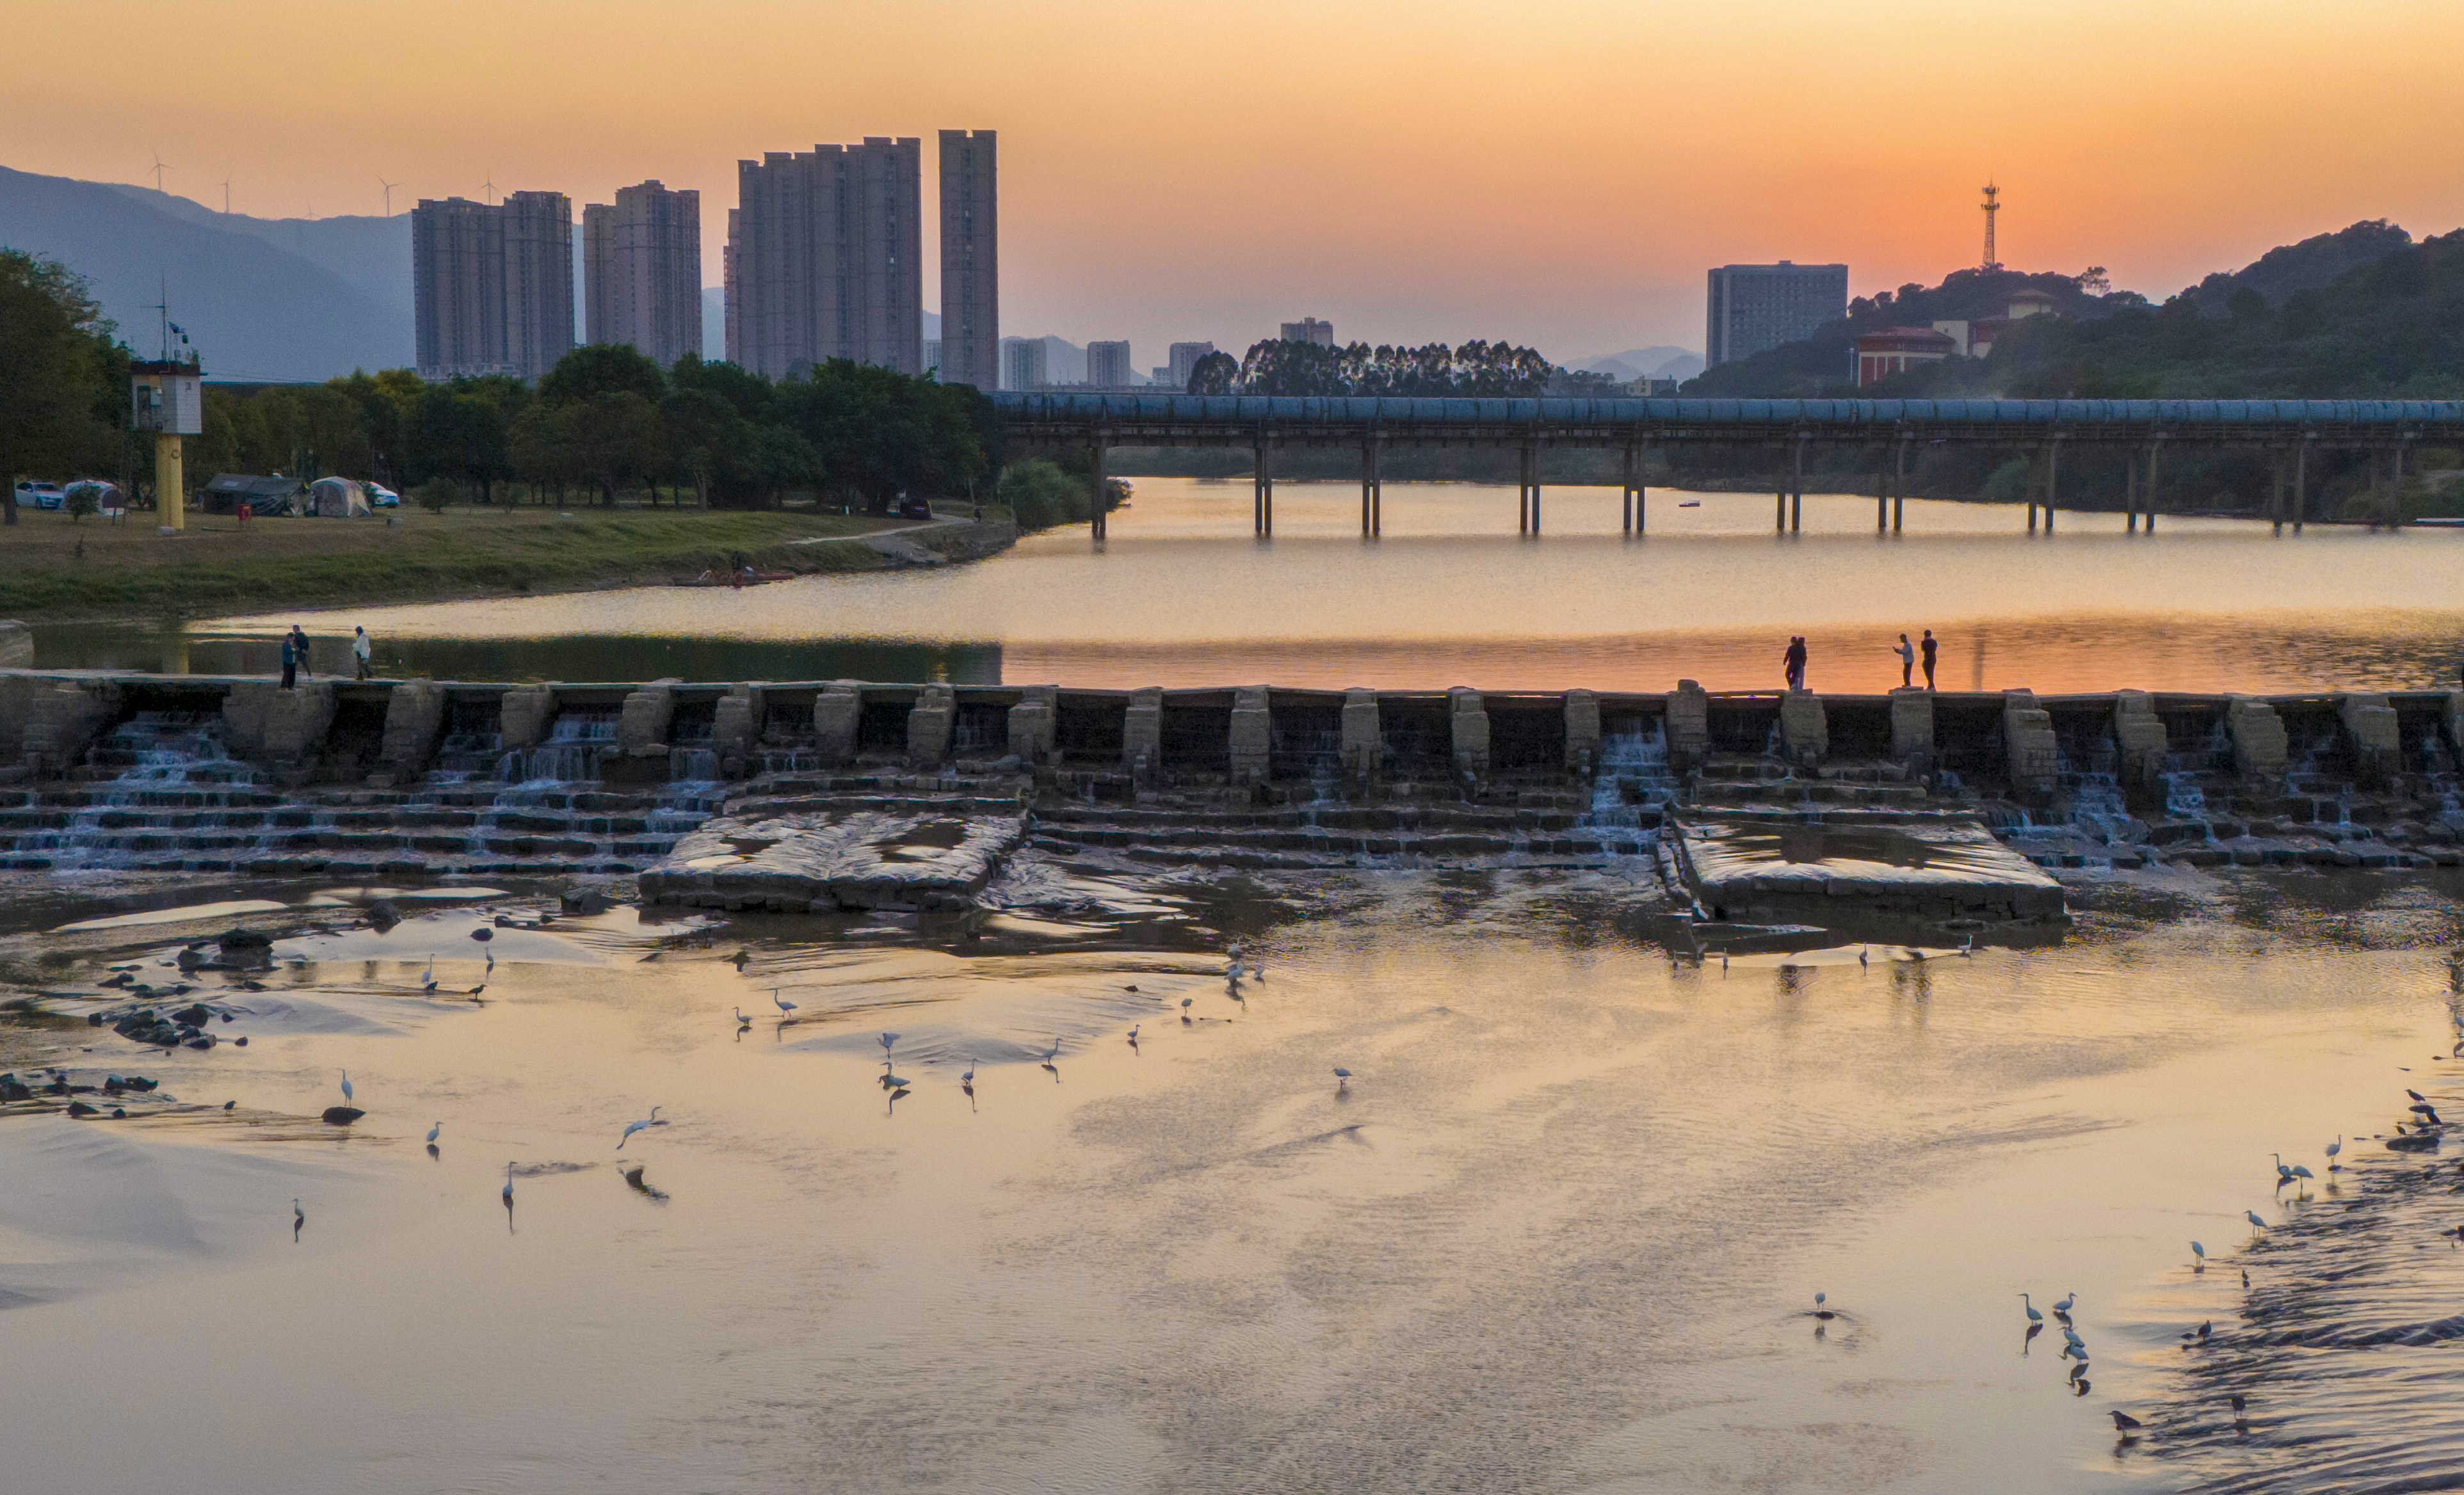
822, 863
1952, 869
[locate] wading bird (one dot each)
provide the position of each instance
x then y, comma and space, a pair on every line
2201, 1252
2065, 1307
1342, 1077
967, 1081
1186, 1002
886, 1040
2334, 1147
2125, 1423
346, 1087
742, 1020
631, 1127
509, 1186
298, 1217
2302, 1175
431, 1133
2283, 1174
785, 1006
1133, 1034
2033, 1318
428, 978
2256, 1223
1820, 1312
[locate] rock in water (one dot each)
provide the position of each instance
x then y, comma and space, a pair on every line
383, 916
342, 1115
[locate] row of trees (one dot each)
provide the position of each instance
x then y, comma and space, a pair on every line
1282, 367
63, 377
608, 418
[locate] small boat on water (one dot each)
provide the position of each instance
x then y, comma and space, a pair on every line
736, 579
1690, 503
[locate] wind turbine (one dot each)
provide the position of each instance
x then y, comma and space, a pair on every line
226, 196
388, 194
160, 166
488, 188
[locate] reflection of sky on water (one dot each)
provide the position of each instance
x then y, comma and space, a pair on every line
1560, 1232
1182, 594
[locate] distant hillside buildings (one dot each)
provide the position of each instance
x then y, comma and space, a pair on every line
641, 270
492, 285
1755, 307
1308, 329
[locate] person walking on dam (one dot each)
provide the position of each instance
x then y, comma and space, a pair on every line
362, 649
1908, 660
290, 664
300, 648
1793, 662
1929, 648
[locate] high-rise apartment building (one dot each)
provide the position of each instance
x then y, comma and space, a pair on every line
1184, 362
1022, 362
969, 260
492, 284
1754, 307
730, 295
641, 270
827, 249
1308, 329
932, 353
1108, 365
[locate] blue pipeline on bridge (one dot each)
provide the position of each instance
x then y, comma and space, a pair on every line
1268, 423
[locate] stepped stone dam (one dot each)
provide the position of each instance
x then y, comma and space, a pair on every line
1950, 808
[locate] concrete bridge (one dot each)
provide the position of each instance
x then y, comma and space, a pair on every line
2289, 431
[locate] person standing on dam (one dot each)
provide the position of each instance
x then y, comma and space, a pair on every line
1929, 648
1908, 660
290, 664
1793, 662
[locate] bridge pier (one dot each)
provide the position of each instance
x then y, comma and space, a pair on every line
1796, 488
1779, 513
1528, 504
2053, 480
2301, 472
2130, 492
1632, 500
2154, 451
1372, 488
1103, 495
1899, 486
1262, 519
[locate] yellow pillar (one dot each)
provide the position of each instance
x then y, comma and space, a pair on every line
169, 503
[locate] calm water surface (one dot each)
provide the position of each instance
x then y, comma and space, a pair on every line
1182, 594
1562, 1233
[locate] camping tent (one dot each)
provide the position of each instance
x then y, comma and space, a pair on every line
264, 495
336, 499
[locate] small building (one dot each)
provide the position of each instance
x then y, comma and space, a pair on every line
263, 495
1895, 350
1310, 330
1976, 339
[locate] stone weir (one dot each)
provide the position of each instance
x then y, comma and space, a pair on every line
797, 795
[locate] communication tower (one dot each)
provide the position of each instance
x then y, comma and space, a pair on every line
1993, 206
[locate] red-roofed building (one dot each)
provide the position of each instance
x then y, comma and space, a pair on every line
1895, 350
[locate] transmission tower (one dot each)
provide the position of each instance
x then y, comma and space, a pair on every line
1991, 206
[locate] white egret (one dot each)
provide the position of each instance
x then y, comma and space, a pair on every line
346, 1087
2068, 1298
742, 1020
785, 1005
1133, 1034
431, 1133
892, 1081
298, 1216
2334, 1147
967, 1081
1342, 1077
631, 1127
2302, 1175
886, 1040
2033, 1318
1820, 1312
2283, 1174
2256, 1223
1186, 1002
1969, 947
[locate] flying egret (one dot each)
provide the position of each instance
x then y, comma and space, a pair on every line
2201, 1252
785, 1005
2068, 1298
1342, 1077
431, 1133
1820, 1312
346, 1087
631, 1127
2334, 1147
2033, 1318
2256, 1223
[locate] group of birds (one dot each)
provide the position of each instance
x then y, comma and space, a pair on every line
2074, 1347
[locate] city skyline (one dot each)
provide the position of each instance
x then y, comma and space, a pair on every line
1583, 225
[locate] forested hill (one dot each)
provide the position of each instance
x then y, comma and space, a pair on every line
2364, 313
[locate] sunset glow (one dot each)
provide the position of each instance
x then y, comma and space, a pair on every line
1559, 175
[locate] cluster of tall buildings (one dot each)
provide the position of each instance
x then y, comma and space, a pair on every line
825, 259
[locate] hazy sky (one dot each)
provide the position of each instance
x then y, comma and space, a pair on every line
1553, 173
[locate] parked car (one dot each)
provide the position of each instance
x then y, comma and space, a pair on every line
40, 496
914, 509
381, 496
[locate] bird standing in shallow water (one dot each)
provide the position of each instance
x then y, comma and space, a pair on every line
886, 1040
2033, 1318
2125, 1423
431, 1133
346, 1087
2201, 1252
2303, 1176
1342, 1077
509, 1186
785, 1005
2063, 1307
1820, 1312
2283, 1174
2256, 1223
2334, 1147
298, 1217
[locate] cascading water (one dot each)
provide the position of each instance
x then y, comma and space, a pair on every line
1632, 774
178, 791
570, 754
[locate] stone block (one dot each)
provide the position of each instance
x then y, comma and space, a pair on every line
296, 722
1363, 748
1688, 726
1469, 718
415, 719
1912, 728
1253, 740
1582, 731
1804, 730
1142, 733
2453, 716
61, 721
523, 714
837, 712
2032, 753
2139, 743
929, 723
642, 723
2258, 739
735, 728
1035, 724
17, 646
2370, 727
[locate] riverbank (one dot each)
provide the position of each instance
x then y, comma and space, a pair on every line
64, 572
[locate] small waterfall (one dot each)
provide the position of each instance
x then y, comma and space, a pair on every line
570, 754
178, 790
2184, 798
2097, 805
1632, 774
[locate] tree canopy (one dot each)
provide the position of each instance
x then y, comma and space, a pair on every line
63, 377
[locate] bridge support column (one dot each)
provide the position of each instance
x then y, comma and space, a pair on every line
2053, 481
1373, 485
1797, 489
2153, 453
1263, 516
1881, 500
1899, 486
1779, 513
2130, 492
2301, 472
2276, 495
1103, 494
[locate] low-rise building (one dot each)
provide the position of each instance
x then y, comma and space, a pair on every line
1895, 350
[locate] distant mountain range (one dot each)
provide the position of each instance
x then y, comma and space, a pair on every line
1655, 363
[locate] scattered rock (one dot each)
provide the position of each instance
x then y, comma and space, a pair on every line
245, 939
587, 898
81, 1109
383, 916
342, 1115
195, 1015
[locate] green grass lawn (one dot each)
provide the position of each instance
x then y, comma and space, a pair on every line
51, 570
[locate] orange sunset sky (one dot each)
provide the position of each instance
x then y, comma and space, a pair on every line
1553, 173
